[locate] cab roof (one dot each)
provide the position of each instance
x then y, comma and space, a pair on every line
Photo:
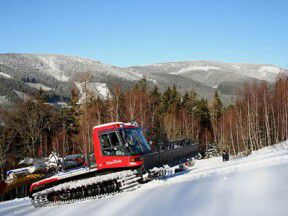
113, 124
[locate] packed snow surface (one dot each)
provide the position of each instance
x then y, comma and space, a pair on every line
253, 185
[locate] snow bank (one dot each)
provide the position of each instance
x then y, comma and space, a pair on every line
254, 185
280, 147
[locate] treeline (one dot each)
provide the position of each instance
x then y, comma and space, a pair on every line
259, 118
33, 128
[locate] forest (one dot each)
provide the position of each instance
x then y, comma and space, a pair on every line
34, 128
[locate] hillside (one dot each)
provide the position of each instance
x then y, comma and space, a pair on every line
56, 74
24, 74
254, 185
225, 77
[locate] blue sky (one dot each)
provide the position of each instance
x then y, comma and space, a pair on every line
134, 32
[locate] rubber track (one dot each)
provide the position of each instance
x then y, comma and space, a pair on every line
127, 180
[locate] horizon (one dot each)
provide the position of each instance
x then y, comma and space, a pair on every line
153, 63
142, 33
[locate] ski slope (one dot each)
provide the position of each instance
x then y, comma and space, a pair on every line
254, 185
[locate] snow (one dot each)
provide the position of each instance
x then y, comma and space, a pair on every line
253, 185
197, 68
39, 86
268, 72
62, 104
100, 89
79, 85
5, 75
3, 100
141, 76
237, 67
54, 71
152, 80
103, 90
108, 124
22, 95
263, 72
88, 181
270, 68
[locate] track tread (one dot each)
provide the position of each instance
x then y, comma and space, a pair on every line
74, 189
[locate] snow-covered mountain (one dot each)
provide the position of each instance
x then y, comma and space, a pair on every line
23, 74
253, 185
215, 75
56, 74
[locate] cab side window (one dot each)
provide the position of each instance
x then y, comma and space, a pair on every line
111, 145
114, 139
105, 141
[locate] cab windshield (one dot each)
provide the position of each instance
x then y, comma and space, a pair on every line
135, 141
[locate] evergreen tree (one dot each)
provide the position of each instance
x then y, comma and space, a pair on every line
156, 131
70, 119
166, 99
185, 99
203, 113
216, 107
171, 99
191, 102
142, 84
216, 110
175, 97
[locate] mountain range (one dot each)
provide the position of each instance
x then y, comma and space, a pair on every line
24, 74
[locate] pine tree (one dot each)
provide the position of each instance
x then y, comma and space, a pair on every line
70, 117
216, 110
175, 97
216, 107
191, 102
203, 113
157, 133
142, 84
166, 99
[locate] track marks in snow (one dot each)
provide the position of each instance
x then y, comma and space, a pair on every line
254, 185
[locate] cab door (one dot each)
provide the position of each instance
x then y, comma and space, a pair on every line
114, 154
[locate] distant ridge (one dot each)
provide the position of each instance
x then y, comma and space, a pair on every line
23, 74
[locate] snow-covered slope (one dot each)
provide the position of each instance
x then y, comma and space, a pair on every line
214, 73
5, 75
56, 74
254, 185
207, 76
99, 89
